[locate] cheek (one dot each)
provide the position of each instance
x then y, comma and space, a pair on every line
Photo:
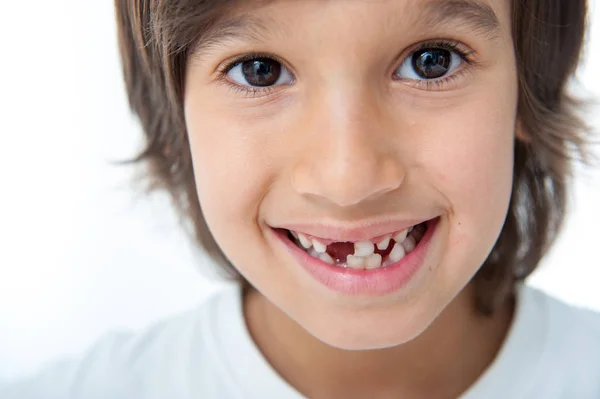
233, 168
473, 169
237, 160
476, 163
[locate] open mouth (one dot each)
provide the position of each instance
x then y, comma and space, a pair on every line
362, 255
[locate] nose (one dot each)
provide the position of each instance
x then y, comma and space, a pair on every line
349, 153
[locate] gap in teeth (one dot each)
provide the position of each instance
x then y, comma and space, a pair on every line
364, 256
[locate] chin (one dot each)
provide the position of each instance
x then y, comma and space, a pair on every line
371, 342
370, 334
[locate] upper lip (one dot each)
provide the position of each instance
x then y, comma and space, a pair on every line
354, 232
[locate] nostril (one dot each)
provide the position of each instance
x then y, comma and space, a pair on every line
329, 184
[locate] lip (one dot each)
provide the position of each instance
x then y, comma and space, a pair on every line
327, 234
378, 282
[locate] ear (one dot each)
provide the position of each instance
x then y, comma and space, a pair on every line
520, 133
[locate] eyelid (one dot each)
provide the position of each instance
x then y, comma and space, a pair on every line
462, 50
448, 44
230, 63
226, 66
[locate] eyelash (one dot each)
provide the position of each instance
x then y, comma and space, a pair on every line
429, 84
247, 90
441, 83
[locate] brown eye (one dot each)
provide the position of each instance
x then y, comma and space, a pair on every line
431, 63
260, 72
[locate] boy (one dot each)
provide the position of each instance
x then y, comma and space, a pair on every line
379, 176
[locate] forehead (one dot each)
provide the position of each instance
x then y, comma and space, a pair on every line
256, 19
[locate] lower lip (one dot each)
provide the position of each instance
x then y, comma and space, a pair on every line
378, 282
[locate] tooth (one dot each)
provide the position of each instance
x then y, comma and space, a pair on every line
409, 244
384, 244
311, 251
321, 248
304, 241
373, 261
355, 262
363, 248
401, 236
326, 258
294, 234
397, 253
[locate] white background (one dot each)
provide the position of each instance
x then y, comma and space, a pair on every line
81, 251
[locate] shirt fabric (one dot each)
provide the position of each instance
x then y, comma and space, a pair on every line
552, 351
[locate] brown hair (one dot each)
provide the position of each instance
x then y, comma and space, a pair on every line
156, 38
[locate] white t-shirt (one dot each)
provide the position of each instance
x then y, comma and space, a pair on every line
552, 351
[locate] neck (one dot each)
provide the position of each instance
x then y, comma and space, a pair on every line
442, 362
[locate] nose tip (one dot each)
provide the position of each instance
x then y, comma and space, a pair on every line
348, 183
350, 154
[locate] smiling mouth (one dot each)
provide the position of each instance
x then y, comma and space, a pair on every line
362, 255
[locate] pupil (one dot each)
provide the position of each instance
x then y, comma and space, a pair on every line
432, 63
261, 72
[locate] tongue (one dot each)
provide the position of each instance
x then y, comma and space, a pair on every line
339, 251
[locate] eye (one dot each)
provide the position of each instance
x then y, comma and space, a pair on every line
259, 72
429, 63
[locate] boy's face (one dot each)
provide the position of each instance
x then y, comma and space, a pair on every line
351, 121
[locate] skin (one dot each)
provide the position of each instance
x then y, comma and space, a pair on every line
348, 141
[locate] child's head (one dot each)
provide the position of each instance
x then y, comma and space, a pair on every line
350, 120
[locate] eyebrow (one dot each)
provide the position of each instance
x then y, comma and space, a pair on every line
243, 27
471, 14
